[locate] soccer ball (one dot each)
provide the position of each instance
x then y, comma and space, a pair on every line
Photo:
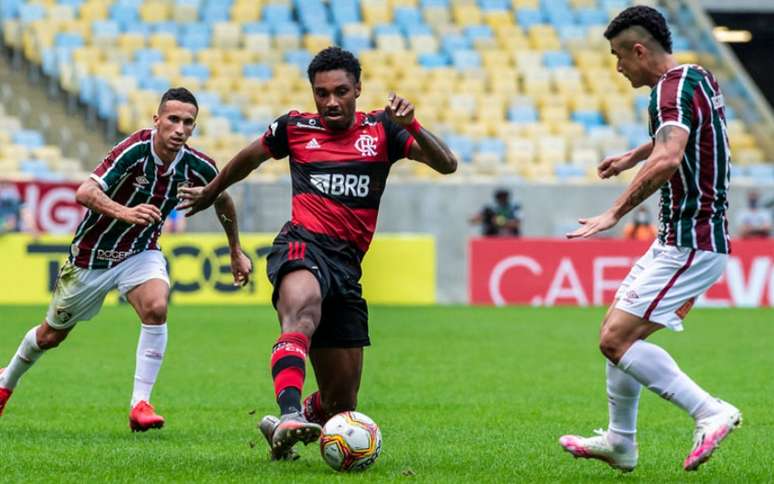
350, 441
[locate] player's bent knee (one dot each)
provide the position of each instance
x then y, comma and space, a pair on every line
48, 339
155, 312
611, 346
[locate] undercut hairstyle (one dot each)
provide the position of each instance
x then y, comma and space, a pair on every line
646, 17
334, 58
179, 94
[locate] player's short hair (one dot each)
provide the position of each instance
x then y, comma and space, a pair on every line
646, 17
331, 59
179, 94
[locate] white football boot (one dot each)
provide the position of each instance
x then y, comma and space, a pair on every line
599, 448
710, 432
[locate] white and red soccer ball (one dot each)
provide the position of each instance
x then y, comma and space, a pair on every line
350, 441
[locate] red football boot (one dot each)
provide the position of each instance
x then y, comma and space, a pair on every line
313, 411
5, 394
143, 417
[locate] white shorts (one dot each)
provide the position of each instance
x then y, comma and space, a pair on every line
665, 282
80, 292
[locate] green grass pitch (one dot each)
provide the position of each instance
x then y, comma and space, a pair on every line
461, 394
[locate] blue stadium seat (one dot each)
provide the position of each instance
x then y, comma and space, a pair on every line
345, 11
355, 43
494, 5
106, 100
569, 172
433, 60
559, 58
148, 56
166, 28
213, 13
252, 129
300, 58
275, 13
208, 98
522, 114
257, 71
125, 15
31, 12
572, 32
230, 112
28, 138
199, 71
154, 83
641, 101
475, 32
37, 169
10, 8
141, 28
761, 173
73, 3
194, 36
462, 145
560, 18
528, 17
320, 28
256, 28
417, 29
68, 39
286, 28
136, 69
494, 146
453, 43
588, 119
435, 3
592, 16
407, 16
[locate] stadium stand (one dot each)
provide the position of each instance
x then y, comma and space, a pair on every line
515, 86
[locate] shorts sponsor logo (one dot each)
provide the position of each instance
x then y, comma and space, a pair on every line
366, 145
114, 255
339, 184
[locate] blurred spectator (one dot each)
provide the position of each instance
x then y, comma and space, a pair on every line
175, 223
755, 220
503, 219
10, 209
641, 227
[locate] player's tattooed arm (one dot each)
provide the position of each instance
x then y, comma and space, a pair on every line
91, 196
664, 160
614, 165
196, 199
241, 267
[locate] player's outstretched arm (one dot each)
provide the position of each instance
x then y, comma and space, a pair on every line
241, 267
428, 149
196, 199
614, 165
664, 160
91, 196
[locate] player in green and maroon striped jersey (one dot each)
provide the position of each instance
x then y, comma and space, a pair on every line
116, 246
689, 162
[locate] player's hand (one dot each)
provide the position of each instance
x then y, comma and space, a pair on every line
614, 165
399, 110
142, 214
241, 268
195, 199
593, 225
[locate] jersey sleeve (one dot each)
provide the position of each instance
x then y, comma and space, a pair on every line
674, 99
117, 162
202, 169
398, 139
275, 139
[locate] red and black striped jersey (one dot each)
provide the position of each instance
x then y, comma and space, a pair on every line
695, 200
132, 174
338, 176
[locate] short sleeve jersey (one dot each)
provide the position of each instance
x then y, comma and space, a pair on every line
132, 174
694, 201
338, 177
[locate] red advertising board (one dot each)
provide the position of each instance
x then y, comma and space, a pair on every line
548, 272
52, 204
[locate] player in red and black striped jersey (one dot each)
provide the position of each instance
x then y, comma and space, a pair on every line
339, 162
689, 161
128, 196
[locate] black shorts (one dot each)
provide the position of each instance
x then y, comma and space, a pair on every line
336, 265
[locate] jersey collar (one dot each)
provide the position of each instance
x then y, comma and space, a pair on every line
159, 161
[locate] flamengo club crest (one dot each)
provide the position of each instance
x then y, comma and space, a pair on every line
366, 145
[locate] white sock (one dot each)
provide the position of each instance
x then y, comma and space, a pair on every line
150, 354
27, 354
654, 368
623, 398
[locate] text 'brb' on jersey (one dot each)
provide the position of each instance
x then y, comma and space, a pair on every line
694, 201
338, 177
132, 174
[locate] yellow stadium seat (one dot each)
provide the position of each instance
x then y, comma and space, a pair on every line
436, 15
246, 12
226, 35
185, 13
257, 42
498, 18
128, 43
154, 11
403, 3
583, 3
221, 85
464, 15
162, 41
193, 84
225, 69
61, 12
423, 43
179, 55
376, 12
287, 42
12, 33
91, 11
14, 152
531, 4
316, 43
749, 156
584, 157
107, 69
166, 69
210, 57
239, 56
